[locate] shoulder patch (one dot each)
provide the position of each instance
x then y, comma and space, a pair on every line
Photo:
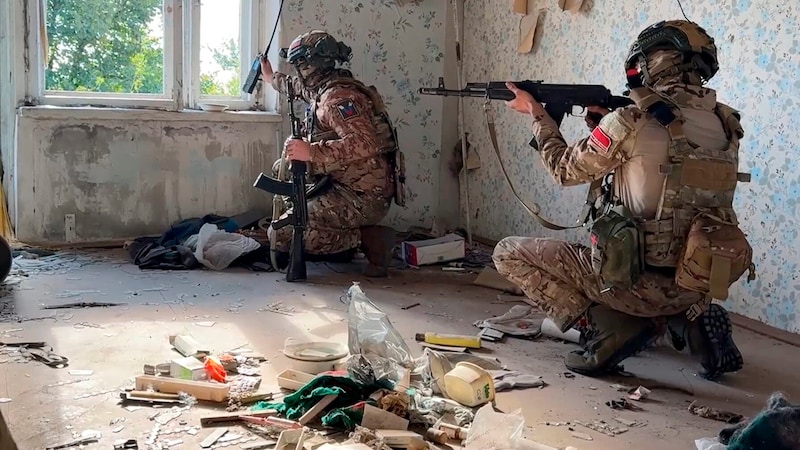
600, 140
347, 109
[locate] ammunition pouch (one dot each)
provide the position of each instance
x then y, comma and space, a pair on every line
715, 256
617, 249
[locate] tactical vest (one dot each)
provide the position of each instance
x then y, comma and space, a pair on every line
386, 133
695, 229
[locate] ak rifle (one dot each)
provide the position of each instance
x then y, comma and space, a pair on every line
559, 99
296, 190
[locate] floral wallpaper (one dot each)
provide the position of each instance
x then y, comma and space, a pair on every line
397, 49
759, 54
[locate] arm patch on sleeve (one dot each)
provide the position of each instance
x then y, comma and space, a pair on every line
600, 140
616, 133
347, 109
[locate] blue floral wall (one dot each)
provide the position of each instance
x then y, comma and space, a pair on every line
397, 49
759, 51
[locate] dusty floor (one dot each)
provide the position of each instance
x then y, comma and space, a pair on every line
116, 342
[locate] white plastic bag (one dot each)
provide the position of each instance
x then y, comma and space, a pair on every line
217, 249
709, 444
495, 431
370, 332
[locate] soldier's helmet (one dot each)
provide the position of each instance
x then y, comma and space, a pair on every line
317, 50
690, 39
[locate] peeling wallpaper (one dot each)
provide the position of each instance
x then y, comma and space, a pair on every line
397, 49
759, 54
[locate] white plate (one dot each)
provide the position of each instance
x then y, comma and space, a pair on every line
212, 107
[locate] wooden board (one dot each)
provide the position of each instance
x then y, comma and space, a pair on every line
201, 390
235, 417
317, 409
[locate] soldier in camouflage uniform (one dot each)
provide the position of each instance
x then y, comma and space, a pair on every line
351, 142
629, 142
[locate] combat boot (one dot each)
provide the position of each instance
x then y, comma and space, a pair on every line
614, 336
709, 338
377, 243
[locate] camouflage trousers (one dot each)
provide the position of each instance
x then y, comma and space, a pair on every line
334, 221
558, 277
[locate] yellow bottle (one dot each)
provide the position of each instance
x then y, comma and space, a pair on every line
452, 340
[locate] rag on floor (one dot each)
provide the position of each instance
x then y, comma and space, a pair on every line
777, 427
345, 412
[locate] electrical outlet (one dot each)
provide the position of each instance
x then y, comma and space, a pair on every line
69, 227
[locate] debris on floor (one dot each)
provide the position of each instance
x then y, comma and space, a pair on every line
708, 412
774, 427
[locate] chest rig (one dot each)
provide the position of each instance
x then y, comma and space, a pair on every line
695, 230
379, 116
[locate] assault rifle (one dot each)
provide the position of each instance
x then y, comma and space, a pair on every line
558, 99
296, 190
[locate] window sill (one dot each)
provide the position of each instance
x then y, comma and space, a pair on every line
186, 115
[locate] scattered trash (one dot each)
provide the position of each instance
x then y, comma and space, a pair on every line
118, 429
601, 426
205, 324
87, 437
79, 373
413, 305
4, 400
709, 444
583, 436
623, 403
83, 305
507, 380
520, 320
708, 412
568, 375
640, 393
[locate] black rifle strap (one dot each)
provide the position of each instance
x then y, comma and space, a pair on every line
534, 212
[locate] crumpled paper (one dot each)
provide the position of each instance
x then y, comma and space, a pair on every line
520, 320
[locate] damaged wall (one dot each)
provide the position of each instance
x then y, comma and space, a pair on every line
134, 176
128, 173
759, 58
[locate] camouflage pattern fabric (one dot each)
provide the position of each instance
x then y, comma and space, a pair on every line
558, 276
334, 221
346, 145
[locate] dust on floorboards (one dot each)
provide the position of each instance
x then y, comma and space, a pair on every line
116, 342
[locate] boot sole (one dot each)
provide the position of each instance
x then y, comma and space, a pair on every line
718, 337
629, 349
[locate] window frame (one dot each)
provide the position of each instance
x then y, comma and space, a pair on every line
181, 63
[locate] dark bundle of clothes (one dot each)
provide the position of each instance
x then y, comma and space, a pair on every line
169, 252
775, 428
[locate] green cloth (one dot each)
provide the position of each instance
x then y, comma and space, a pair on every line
345, 412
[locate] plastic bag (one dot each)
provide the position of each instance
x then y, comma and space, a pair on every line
217, 249
371, 333
709, 444
492, 430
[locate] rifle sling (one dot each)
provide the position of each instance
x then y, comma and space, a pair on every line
533, 212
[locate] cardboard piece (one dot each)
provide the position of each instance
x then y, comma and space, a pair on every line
434, 251
376, 418
401, 439
527, 31
572, 6
491, 279
519, 6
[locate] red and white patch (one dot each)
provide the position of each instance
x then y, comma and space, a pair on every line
600, 140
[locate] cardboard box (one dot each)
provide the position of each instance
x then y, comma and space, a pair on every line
201, 390
189, 368
433, 251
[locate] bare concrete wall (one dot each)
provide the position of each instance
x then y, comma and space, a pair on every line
131, 173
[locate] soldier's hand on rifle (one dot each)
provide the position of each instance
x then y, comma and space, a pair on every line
297, 150
523, 102
266, 69
591, 124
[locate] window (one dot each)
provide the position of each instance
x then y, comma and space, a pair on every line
172, 54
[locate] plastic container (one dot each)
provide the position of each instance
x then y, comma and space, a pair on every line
453, 340
293, 380
469, 385
313, 357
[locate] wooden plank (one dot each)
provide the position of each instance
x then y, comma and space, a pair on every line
235, 417
317, 409
201, 390
213, 437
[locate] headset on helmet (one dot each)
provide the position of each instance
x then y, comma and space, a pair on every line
691, 40
318, 49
